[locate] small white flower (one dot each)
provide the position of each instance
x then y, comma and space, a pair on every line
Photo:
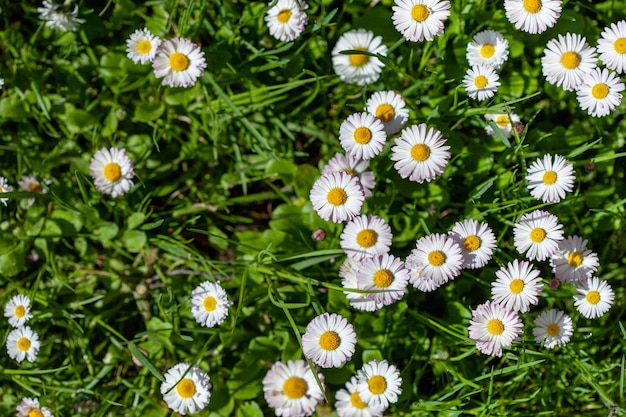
23, 343
435, 260
4, 188
359, 300
488, 48
349, 403
553, 328
355, 68
594, 299
600, 92
30, 184
386, 274
29, 407
505, 122
533, 16
209, 304
378, 383
573, 262
493, 327
537, 234
390, 108
362, 135
59, 17
353, 166
481, 82
286, 19
142, 46
112, 171
17, 310
366, 236
337, 196
1, 83
417, 20
612, 46
179, 62
517, 286
476, 241
186, 388
291, 389
329, 340
567, 59
549, 180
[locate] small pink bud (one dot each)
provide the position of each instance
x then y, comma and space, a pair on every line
319, 235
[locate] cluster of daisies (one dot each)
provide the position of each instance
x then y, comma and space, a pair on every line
22, 342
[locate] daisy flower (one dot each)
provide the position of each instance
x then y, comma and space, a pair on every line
533, 16
209, 304
329, 340
30, 184
349, 403
435, 260
291, 389
390, 108
355, 68
493, 327
359, 300
386, 274
17, 310
1, 83
600, 92
488, 48
612, 46
594, 299
4, 188
517, 286
353, 166
567, 59
112, 171
481, 82
505, 122
420, 153
365, 236
337, 196
549, 180
58, 17
553, 328
23, 343
179, 62
141, 46
417, 20
573, 262
29, 407
362, 135
537, 234
476, 241
378, 383
286, 19
186, 388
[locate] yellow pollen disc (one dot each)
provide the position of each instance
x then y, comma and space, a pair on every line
35, 188
495, 327
471, 243
502, 120
20, 311
436, 258
144, 46
600, 91
358, 60
1, 190
356, 401
532, 6
366, 238
575, 259
186, 388
377, 384
385, 112
420, 152
593, 297
516, 286
35, 413
179, 62
480, 81
570, 60
362, 135
419, 13
383, 278
209, 303
294, 387
537, 234
549, 177
23, 344
337, 196
351, 172
552, 329
330, 340
284, 15
112, 172
620, 45
487, 50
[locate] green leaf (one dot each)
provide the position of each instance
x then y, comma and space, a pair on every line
62, 223
12, 260
105, 231
135, 220
134, 350
249, 409
147, 112
134, 240
13, 108
78, 120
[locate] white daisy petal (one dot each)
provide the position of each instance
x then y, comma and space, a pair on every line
549, 180
573, 262
567, 59
186, 388
337, 196
179, 62
353, 166
59, 17
612, 46
594, 299
4, 188
17, 310
291, 389
419, 20
390, 108
537, 234
209, 304
349, 403
141, 46
358, 300
23, 343
386, 274
553, 328
517, 286
476, 241
481, 82
493, 327
329, 340
286, 19
435, 260
29, 407
362, 135
505, 122
379, 383
112, 171
358, 69
533, 16
366, 236
488, 48
600, 92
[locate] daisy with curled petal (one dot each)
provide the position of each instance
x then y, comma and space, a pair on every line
505, 122
329, 340
600, 93
291, 389
30, 184
179, 62
112, 171
537, 234
29, 407
594, 299
186, 388
435, 260
493, 327
141, 46
549, 180
209, 304
567, 59
476, 240
517, 286
573, 262
533, 16
481, 82
286, 19
59, 17
553, 328
355, 68
417, 20
349, 281
390, 108
366, 236
488, 48
612, 46
17, 310
420, 153
337, 196
4, 188
349, 403
386, 274
353, 166
379, 383
23, 343
362, 135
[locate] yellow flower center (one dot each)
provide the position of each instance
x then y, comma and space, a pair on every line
537, 234
20, 311
383, 278
329, 340
593, 297
284, 15
471, 243
549, 177
186, 388
487, 50
420, 152
532, 6
1, 190
358, 60
480, 81
294, 387
575, 259
337, 196
385, 112
516, 286
362, 135
495, 327
502, 120
570, 60
35, 413
419, 12
620, 45
209, 303
436, 258
23, 344
144, 46
35, 188
179, 62
552, 329
356, 401
366, 238
112, 172
377, 384
600, 91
